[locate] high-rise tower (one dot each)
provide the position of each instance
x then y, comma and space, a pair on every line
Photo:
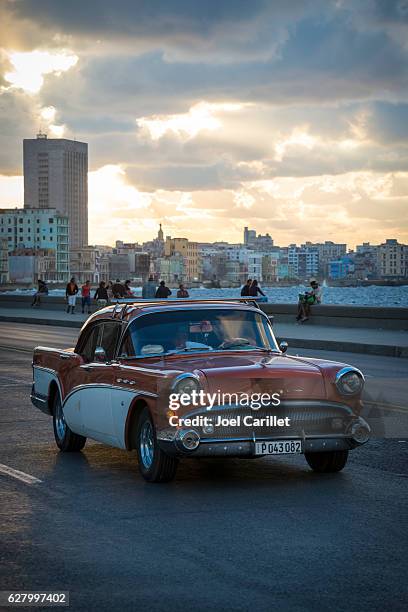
56, 176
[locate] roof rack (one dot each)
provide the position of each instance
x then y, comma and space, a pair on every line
159, 302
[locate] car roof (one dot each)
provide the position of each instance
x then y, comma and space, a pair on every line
128, 309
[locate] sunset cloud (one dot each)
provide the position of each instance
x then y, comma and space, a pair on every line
290, 117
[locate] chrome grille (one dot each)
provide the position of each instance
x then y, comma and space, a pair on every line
308, 421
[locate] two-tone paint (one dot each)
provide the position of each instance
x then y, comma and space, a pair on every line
102, 400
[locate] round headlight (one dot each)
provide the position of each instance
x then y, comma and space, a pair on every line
186, 384
349, 381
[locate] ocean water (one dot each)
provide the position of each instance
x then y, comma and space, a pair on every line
358, 296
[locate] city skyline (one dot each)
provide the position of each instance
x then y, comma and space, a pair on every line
296, 128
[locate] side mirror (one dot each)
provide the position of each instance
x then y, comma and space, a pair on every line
100, 354
283, 346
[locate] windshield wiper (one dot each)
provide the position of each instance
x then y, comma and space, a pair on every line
190, 349
254, 348
262, 348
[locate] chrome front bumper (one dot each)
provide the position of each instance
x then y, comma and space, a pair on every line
246, 448
320, 425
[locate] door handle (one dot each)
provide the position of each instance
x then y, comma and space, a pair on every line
65, 356
87, 368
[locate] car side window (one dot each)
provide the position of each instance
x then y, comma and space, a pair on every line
90, 342
110, 336
127, 348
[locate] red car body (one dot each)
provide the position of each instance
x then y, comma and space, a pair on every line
122, 399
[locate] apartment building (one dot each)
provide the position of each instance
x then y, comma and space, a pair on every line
4, 261
56, 175
40, 230
393, 259
191, 256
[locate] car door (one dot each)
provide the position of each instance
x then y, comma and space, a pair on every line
90, 401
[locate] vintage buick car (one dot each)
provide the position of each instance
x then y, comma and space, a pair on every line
185, 378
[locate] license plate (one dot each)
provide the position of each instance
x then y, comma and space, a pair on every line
284, 447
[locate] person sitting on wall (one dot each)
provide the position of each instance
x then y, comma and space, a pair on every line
162, 291
307, 299
41, 290
182, 292
245, 289
255, 289
118, 290
128, 289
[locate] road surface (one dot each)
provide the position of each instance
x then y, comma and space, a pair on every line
238, 535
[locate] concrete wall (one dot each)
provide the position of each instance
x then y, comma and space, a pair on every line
344, 316
341, 316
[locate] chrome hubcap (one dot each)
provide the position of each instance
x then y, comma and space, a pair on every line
147, 444
60, 424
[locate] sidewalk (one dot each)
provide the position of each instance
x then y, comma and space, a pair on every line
392, 343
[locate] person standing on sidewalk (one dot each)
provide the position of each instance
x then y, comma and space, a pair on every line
86, 296
71, 293
149, 289
101, 295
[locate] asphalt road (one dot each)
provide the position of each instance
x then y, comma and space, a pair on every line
232, 535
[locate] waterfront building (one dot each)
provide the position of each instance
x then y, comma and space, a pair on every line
141, 266
327, 251
4, 261
366, 260
393, 259
38, 229
85, 264
119, 266
303, 262
258, 242
171, 268
156, 246
190, 253
213, 265
249, 237
28, 265
341, 268
56, 176
255, 266
270, 268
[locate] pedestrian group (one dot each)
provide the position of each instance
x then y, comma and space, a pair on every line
107, 292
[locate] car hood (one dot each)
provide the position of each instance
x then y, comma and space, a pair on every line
291, 377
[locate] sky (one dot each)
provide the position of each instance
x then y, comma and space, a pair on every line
290, 117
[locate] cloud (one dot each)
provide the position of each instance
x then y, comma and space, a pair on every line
192, 30
30, 67
191, 108
201, 116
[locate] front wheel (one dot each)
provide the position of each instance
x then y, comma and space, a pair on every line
67, 441
327, 461
154, 464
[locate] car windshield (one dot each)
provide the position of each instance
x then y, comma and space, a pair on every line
195, 330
